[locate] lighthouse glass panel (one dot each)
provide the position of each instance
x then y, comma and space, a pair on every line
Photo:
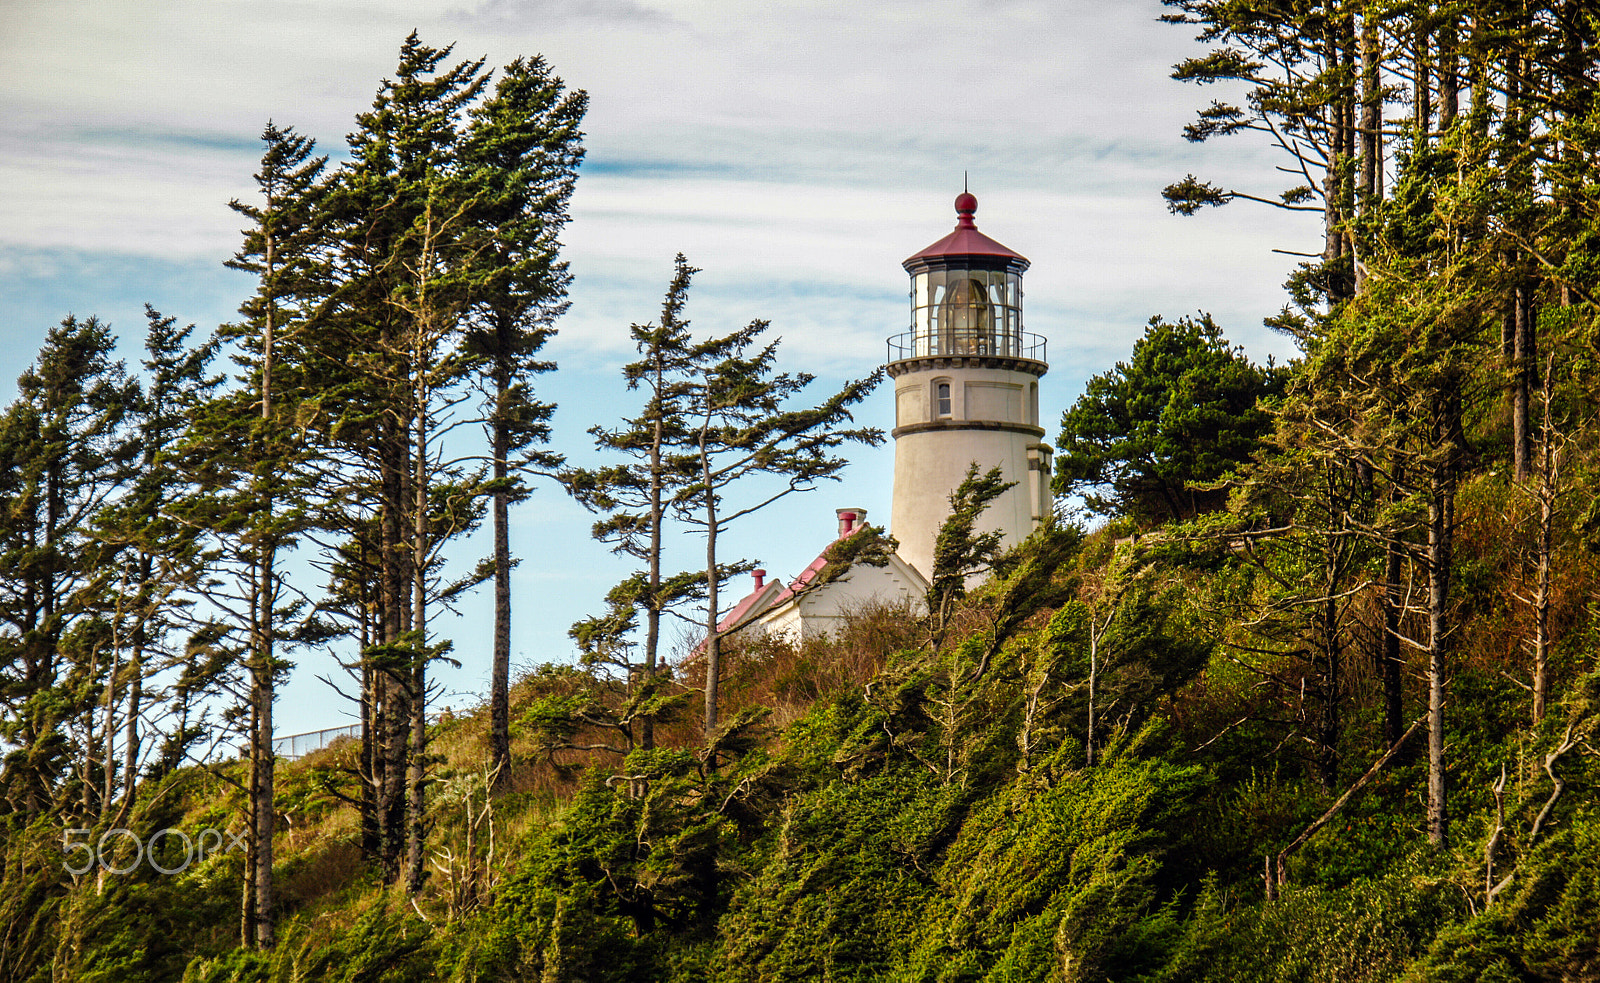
966, 312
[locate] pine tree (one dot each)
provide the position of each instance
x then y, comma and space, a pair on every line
1302, 62
158, 559
247, 447
636, 498
1146, 438
961, 552
405, 264
65, 450
525, 141
741, 428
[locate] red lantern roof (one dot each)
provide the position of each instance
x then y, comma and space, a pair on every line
966, 240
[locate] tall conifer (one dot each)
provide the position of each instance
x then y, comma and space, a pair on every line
524, 140
248, 449
65, 452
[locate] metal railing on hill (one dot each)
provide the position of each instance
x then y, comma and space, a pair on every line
293, 746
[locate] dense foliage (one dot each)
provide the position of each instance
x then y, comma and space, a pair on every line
1185, 409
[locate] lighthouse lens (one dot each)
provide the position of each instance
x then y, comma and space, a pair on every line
966, 321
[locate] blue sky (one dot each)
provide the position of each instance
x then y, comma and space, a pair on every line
796, 151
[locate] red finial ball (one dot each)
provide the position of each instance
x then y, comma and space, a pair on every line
966, 204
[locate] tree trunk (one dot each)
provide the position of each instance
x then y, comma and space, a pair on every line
396, 737
265, 812
1390, 663
1094, 687
1421, 85
392, 682
1337, 189
262, 694
1548, 491
500, 684
1440, 511
1524, 361
1389, 658
1449, 74
417, 766
131, 739
652, 614
1370, 189
713, 639
1541, 608
247, 907
371, 756
1522, 316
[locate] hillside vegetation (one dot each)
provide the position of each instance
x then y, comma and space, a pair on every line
919, 814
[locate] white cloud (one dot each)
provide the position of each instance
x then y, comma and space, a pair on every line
541, 14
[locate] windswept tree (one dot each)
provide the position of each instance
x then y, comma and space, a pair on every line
411, 233
716, 414
1298, 530
65, 450
960, 551
248, 449
525, 140
157, 557
1312, 85
742, 424
1387, 391
635, 498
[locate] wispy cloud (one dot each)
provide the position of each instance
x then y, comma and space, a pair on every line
534, 14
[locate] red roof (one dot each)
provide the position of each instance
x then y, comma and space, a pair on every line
754, 599
739, 611
966, 240
806, 576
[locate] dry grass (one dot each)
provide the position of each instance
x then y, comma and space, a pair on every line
789, 677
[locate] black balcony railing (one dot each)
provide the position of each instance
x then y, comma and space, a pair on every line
955, 341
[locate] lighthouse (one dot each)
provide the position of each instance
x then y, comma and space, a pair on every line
966, 389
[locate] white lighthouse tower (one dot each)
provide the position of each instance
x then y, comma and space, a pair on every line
966, 389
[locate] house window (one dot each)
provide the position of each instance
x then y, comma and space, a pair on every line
941, 399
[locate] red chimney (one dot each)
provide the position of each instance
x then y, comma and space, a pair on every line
850, 521
760, 575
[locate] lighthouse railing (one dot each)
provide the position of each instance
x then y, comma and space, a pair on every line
954, 341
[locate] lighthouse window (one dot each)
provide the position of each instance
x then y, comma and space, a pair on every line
941, 400
965, 311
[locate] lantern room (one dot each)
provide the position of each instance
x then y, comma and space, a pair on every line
966, 297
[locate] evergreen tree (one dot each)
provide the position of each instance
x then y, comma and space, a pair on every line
1301, 62
158, 558
525, 140
246, 448
407, 238
636, 497
741, 427
960, 552
1387, 388
1146, 437
66, 451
